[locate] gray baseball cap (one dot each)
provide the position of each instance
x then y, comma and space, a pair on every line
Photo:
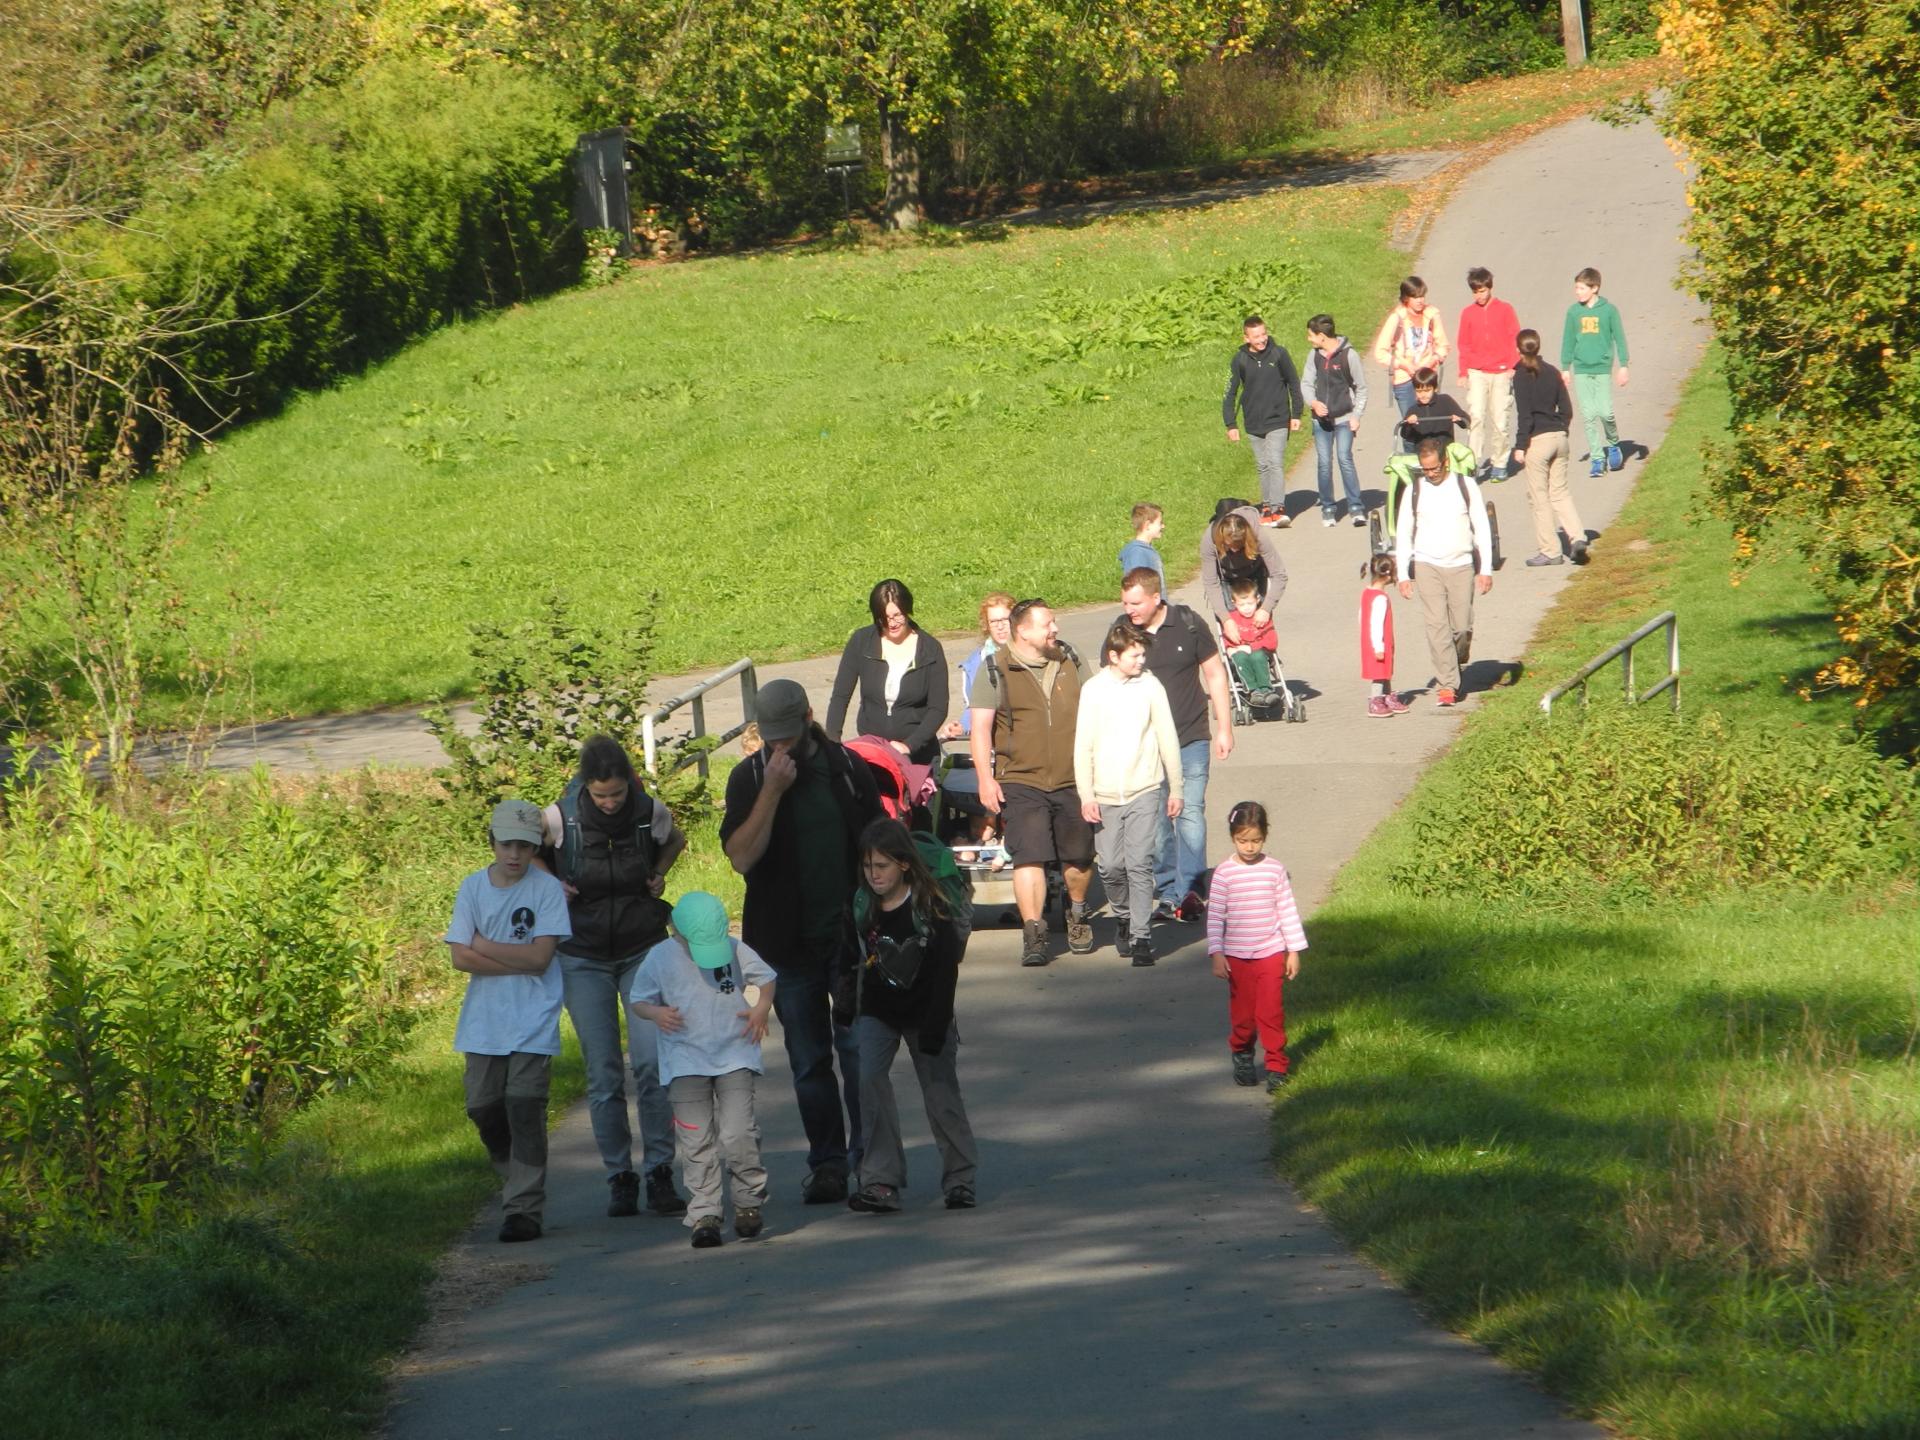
780, 709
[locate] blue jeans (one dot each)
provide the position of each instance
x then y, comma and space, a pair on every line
1329, 440
1402, 403
1183, 842
596, 993
800, 999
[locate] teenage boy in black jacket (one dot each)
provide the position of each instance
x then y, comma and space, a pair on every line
1264, 380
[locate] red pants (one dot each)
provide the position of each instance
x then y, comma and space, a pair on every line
1253, 1000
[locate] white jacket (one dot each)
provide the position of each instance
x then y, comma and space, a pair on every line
1124, 742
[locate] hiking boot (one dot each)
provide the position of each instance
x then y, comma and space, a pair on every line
1142, 951
1580, 555
1395, 705
623, 1194
1545, 559
519, 1227
1598, 468
1276, 1079
875, 1200
1079, 932
747, 1223
823, 1187
706, 1233
1243, 1071
1033, 944
961, 1197
1614, 458
662, 1198
1377, 708
1444, 696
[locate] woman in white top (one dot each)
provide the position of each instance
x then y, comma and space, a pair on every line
1413, 338
901, 674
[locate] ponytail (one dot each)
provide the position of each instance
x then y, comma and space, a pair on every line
1528, 344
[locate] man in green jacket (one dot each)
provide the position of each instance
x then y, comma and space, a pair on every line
1593, 334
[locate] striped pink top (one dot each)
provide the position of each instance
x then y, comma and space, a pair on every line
1250, 910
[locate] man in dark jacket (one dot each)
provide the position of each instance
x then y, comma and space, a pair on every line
794, 813
1268, 388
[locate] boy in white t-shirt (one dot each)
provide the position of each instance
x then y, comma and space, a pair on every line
507, 919
693, 986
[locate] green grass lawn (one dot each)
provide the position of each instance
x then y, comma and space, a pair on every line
1491, 1092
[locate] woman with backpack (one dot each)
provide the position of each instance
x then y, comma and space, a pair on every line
900, 985
610, 844
1413, 338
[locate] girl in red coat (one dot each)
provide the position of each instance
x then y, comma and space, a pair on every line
1376, 637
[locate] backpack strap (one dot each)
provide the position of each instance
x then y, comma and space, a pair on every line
567, 856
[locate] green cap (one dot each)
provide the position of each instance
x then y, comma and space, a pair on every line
701, 921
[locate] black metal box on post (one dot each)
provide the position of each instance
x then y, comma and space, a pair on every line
600, 184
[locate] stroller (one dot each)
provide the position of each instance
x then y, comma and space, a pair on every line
1283, 704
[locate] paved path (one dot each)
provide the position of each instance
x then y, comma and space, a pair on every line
1134, 1269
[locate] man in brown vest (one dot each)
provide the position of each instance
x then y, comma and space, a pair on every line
1025, 701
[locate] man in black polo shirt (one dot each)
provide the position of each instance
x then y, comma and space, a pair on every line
794, 814
1185, 658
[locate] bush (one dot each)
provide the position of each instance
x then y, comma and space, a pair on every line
175, 974
347, 222
1623, 29
1622, 803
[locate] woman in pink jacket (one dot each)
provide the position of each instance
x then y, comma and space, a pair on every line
1413, 338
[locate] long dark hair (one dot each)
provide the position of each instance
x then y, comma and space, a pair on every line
890, 592
893, 840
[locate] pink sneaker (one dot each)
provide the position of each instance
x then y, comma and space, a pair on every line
1377, 708
1396, 705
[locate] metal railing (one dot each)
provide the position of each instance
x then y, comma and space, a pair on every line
1667, 621
697, 698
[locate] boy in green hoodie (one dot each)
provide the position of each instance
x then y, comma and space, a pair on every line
1587, 345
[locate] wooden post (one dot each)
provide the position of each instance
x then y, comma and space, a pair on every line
1573, 33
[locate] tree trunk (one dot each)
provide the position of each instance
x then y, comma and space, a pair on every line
900, 155
1573, 33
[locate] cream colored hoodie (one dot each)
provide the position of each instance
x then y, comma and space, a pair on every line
1124, 741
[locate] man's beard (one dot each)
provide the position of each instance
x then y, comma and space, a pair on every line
1053, 650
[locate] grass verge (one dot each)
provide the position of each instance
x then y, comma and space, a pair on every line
1557, 1121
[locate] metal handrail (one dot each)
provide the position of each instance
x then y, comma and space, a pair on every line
1666, 620
697, 698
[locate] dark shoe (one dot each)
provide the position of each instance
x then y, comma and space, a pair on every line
706, 1233
1142, 951
519, 1227
823, 1187
1122, 937
1192, 908
1033, 944
1580, 555
1243, 1071
662, 1198
1276, 1079
747, 1223
961, 1197
624, 1194
1359, 521
874, 1200
1079, 932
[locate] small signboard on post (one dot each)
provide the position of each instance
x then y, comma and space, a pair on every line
842, 156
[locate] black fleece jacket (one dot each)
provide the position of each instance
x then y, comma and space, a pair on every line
1540, 402
1268, 388
918, 712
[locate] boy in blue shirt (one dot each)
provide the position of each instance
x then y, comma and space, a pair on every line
1148, 525
507, 919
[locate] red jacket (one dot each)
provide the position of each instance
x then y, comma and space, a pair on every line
1484, 340
1242, 631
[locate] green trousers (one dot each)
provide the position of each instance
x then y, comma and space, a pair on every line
1594, 395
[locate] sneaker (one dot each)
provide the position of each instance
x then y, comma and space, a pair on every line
1328, 522
1122, 936
1276, 1079
1598, 468
1496, 473
1614, 458
747, 1224
1395, 705
1444, 696
1377, 708
1079, 932
1192, 908
1033, 944
624, 1194
662, 1198
1545, 559
1142, 951
1164, 913
1359, 521
823, 1187
706, 1233
1262, 699
519, 1227
874, 1200
961, 1197
1580, 555
1243, 1072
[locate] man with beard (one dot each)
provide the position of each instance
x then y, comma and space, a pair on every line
1026, 699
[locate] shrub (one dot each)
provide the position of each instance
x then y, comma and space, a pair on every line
1620, 803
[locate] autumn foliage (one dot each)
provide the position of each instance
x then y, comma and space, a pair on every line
1802, 118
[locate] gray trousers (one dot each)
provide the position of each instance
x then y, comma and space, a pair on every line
596, 994
1270, 459
883, 1159
1446, 600
1126, 845
507, 1102
713, 1121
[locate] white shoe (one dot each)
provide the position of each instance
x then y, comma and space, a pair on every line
1328, 522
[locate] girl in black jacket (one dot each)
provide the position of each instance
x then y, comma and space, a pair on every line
1543, 412
905, 974
901, 673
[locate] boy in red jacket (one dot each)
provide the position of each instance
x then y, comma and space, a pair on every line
1485, 354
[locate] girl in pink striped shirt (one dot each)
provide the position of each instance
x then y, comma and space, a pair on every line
1255, 940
